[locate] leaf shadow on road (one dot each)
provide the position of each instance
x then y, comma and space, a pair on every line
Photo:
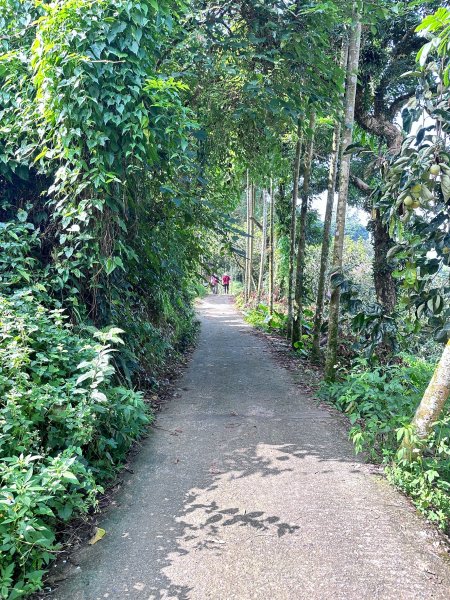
225, 512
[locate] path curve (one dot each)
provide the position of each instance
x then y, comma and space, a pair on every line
247, 490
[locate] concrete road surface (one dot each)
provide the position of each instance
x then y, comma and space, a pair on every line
248, 490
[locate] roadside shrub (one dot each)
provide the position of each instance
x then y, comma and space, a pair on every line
380, 403
237, 287
198, 290
261, 317
427, 479
64, 428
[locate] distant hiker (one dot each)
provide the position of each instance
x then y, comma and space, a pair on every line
226, 283
214, 282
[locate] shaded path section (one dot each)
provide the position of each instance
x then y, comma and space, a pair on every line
247, 490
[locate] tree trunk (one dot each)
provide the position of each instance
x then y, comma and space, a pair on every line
247, 249
338, 249
299, 285
385, 284
282, 217
272, 246
325, 251
252, 202
380, 122
262, 262
432, 403
298, 153
332, 176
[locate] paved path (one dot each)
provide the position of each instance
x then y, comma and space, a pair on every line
247, 490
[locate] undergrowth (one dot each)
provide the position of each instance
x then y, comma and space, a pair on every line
69, 411
380, 403
65, 425
260, 317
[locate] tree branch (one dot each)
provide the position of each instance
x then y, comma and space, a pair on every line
379, 120
257, 223
398, 103
379, 124
361, 185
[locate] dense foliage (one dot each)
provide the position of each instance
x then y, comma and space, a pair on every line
65, 425
146, 145
100, 210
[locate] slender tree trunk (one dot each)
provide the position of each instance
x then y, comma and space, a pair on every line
318, 317
247, 247
325, 251
272, 246
250, 241
299, 285
298, 153
283, 214
385, 284
338, 249
262, 262
432, 403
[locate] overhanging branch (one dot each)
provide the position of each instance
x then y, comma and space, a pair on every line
361, 185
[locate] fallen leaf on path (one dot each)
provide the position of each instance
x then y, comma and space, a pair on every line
99, 534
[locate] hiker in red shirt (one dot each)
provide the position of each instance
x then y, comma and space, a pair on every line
226, 283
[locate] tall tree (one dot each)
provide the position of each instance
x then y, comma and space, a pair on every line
262, 262
388, 52
301, 246
419, 178
325, 250
291, 280
247, 240
272, 247
349, 114
251, 198
251, 281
